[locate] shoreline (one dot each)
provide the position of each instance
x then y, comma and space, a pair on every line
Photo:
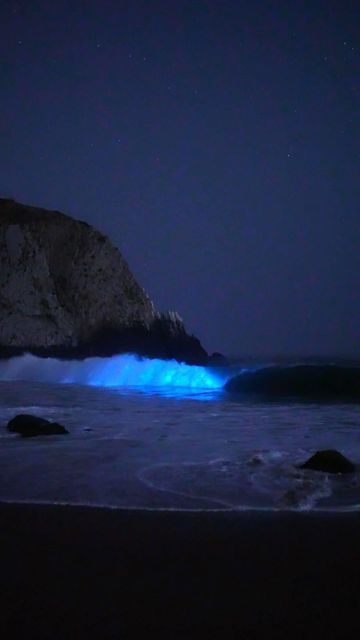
243, 510
94, 572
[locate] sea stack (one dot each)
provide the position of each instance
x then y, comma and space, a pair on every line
66, 291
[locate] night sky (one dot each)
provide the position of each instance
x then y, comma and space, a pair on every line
215, 142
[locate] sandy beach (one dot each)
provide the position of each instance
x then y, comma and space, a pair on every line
74, 572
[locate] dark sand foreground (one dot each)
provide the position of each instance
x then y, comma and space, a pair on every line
69, 572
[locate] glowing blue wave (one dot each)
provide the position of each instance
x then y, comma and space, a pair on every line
118, 371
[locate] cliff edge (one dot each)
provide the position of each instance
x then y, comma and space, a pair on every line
66, 291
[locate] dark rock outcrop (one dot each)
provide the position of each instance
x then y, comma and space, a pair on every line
66, 291
29, 426
330, 461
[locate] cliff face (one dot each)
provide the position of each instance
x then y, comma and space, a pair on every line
66, 290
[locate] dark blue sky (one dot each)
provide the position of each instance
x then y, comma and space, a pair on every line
215, 142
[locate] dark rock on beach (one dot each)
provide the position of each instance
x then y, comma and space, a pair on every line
330, 461
67, 292
29, 426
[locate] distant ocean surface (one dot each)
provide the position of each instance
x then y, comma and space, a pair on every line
151, 434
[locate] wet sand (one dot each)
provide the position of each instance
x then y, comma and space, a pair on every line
74, 572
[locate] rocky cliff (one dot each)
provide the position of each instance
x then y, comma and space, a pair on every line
66, 291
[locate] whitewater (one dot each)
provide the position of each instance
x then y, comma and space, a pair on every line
155, 434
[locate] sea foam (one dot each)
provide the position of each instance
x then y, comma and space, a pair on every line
125, 370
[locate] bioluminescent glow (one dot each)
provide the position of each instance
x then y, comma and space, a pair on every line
117, 371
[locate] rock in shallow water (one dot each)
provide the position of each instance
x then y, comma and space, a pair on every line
29, 426
330, 461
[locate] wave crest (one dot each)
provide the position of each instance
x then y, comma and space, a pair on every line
126, 370
304, 381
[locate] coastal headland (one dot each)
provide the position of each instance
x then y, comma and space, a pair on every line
67, 292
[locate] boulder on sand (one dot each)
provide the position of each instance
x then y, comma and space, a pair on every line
28, 426
330, 461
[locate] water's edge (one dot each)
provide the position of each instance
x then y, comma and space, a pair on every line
239, 510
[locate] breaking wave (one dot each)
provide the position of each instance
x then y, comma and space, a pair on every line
300, 381
303, 381
118, 371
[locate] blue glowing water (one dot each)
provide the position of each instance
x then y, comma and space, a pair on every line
142, 436
118, 371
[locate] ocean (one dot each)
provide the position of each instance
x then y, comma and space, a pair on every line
158, 435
